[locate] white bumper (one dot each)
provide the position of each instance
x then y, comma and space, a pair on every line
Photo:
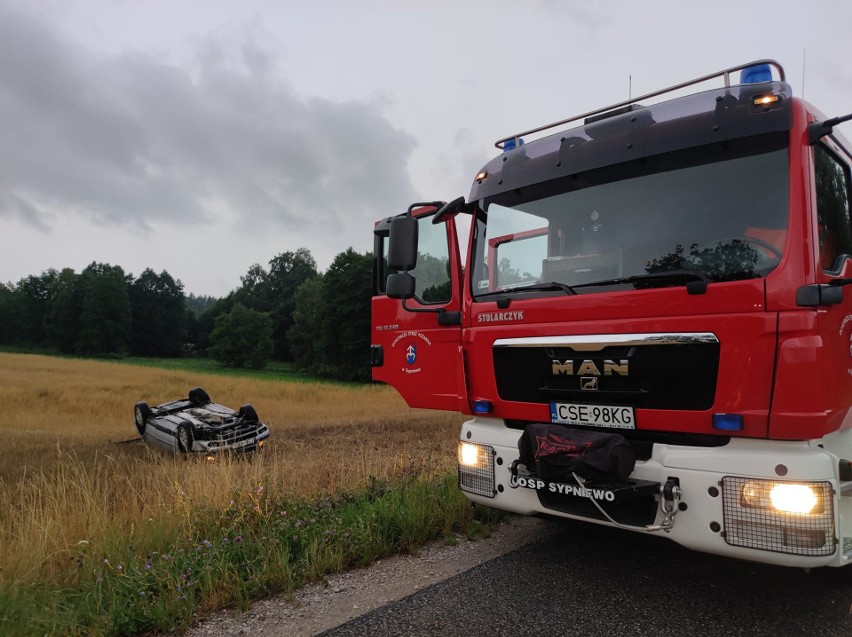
708, 518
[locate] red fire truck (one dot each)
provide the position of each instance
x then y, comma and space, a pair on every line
670, 269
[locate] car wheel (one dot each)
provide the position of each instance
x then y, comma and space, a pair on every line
140, 414
184, 437
247, 412
198, 396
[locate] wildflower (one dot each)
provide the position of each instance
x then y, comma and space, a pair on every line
141, 593
238, 539
119, 568
260, 488
207, 543
106, 561
225, 540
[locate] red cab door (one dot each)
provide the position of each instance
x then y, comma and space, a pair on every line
416, 344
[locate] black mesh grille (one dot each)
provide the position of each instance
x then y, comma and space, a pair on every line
751, 520
478, 479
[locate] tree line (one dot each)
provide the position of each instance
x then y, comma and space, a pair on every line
288, 311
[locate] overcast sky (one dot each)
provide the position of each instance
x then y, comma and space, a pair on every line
202, 136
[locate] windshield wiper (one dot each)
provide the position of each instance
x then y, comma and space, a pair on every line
535, 287
696, 282
548, 286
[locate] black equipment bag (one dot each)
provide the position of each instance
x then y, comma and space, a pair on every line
554, 452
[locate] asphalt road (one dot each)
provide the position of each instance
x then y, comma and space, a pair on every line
589, 580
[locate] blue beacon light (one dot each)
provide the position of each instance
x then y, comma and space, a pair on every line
756, 74
509, 144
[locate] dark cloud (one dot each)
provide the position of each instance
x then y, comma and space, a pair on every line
132, 139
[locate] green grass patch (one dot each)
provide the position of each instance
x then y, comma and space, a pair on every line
256, 547
275, 370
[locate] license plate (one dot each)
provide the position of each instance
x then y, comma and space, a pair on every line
592, 415
243, 443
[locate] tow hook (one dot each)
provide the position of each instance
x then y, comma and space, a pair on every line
669, 501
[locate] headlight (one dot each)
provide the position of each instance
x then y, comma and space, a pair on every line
782, 497
793, 498
469, 454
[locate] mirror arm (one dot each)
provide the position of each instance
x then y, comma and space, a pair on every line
818, 130
448, 210
425, 204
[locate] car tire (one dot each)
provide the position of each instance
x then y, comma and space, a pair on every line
185, 436
140, 414
198, 396
247, 412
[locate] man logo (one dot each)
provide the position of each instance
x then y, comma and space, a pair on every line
589, 383
411, 354
606, 367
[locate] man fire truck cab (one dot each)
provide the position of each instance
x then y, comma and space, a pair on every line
670, 269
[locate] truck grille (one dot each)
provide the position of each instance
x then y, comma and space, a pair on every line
648, 371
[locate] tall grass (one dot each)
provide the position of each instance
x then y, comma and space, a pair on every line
111, 537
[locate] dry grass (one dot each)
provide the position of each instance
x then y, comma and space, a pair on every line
67, 477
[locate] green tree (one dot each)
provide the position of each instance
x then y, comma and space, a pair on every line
342, 350
62, 317
242, 337
274, 290
34, 299
10, 314
305, 331
200, 336
199, 304
159, 315
287, 272
105, 311
254, 289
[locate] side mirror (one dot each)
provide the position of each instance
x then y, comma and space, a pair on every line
402, 244
400, 286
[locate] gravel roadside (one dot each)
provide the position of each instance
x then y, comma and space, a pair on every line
342, 597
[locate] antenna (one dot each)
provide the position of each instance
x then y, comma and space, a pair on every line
803, 73
629, 87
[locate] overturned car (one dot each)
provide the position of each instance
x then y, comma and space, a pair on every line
197, 424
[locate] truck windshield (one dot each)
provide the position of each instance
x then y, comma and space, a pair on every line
711, 213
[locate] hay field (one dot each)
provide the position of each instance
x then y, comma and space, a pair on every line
67, 478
